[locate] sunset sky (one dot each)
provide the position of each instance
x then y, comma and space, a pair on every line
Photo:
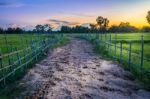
28, 13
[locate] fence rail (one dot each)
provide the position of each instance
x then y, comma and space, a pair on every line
135, 62
19, 60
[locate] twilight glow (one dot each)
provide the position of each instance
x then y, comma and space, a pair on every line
27, 13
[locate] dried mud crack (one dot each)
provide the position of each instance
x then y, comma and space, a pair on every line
76, 72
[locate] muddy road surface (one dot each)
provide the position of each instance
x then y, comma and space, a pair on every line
76, 72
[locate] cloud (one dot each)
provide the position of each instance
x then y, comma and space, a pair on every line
57, 24
62, 22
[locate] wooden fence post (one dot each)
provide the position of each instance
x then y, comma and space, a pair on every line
98, 36
120, 52
26, 42
142, 53
115, 50
115, 45
6, 42
1, 63
129, 61
12, 58
110, 44
9, 56
18, 57
25, 59
101, 36
35, 50
105, 37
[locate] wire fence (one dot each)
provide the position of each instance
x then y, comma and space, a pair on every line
17, 59
135, 61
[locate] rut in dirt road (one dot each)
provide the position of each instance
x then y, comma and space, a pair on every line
76, 72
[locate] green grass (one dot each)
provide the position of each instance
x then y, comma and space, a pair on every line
135, 38
12, 42
11, 91
20, 41
126, 38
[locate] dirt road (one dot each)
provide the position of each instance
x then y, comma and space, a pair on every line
76, 72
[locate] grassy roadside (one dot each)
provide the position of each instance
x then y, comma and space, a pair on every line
108, 51
103, 51
62, 42
13, 90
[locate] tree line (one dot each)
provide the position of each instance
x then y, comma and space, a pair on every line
101, 26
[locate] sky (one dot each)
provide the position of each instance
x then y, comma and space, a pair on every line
28, 13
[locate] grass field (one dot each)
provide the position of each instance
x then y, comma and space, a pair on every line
12, 42
107, 48
135, 38
31, 49
24, 40
20, 41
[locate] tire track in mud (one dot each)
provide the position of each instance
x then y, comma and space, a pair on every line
76, 72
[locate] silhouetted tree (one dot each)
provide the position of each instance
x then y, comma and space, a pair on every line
76, 29
39, 28
14, 30
123, 27
102, 23
148, 17
65, 29
80, 29
1, 31
93, 28
146, 29
114, 28
18, 30
47, 28
106, 22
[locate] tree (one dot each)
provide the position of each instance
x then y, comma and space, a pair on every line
102, 23
18, 30
123, 27
106, 22
148, 17
65, 29
146, 29
39, 28
14, 30
47, 28
43, 28
10, 30
114, 29
80, 29
93, 28
1, 31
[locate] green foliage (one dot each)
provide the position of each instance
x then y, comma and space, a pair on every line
63, 41
101, 50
